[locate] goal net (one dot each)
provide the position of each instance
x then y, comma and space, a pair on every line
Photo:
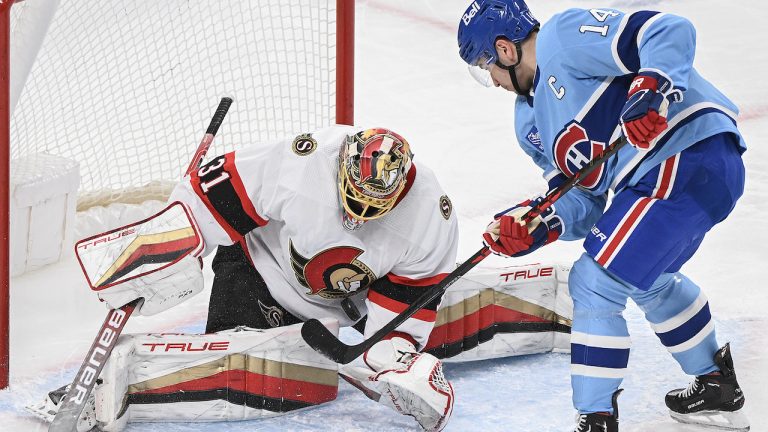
125, 89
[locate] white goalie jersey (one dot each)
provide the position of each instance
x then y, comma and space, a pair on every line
282, 201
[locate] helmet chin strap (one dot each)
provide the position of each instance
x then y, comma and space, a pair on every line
511, 69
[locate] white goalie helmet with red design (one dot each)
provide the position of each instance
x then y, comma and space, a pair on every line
373, 168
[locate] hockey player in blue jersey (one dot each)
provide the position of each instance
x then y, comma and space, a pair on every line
584, 79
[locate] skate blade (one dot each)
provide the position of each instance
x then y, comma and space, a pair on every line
734, 421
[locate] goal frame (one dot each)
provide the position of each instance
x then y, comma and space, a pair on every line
345, 37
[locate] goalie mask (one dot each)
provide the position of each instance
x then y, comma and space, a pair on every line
373, 165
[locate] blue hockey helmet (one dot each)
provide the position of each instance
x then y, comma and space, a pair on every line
485, 21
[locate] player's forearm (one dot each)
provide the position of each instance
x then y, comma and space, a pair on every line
579, 211
387, 297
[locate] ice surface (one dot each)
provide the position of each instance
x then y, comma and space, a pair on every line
410, 78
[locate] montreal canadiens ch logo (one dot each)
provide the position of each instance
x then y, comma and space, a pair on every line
573, 150
333, 273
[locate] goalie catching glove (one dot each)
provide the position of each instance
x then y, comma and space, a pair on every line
508, 235
154, 259
405, 380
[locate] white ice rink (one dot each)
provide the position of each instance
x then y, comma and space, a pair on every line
409, 78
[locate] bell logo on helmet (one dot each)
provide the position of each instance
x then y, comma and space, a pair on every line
467, 17
484, 21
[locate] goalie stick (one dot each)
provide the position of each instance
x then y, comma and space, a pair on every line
326, 343
74, 402
202, 148
85, 380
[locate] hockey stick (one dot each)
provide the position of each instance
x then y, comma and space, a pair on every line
73, 403
323, 341
202, 148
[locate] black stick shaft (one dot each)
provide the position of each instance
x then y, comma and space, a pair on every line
324, 342
213, 128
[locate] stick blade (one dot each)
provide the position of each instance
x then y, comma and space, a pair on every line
326, 343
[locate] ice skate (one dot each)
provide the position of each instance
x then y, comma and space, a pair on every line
711, 400
597, 422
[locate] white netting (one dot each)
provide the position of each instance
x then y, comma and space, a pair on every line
127, 88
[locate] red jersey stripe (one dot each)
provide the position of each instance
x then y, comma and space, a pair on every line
397, 307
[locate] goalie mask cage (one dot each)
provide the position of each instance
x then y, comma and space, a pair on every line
126, 88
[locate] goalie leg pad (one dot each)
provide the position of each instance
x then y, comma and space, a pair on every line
502, 312
233, 375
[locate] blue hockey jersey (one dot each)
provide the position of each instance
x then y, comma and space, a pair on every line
586, 60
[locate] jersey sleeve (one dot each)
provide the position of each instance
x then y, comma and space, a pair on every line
579, 210
430, 259
606, 42
229, 196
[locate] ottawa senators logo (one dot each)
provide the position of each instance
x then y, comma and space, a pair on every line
304, 144
446, 207
333, 273
573, 150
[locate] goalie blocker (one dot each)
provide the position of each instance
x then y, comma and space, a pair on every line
154, 259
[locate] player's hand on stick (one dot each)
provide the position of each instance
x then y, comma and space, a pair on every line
509, 235
407, 381
644, 116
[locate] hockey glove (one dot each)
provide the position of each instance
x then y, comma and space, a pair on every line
409, 382
154, 259
644, 115
507, 235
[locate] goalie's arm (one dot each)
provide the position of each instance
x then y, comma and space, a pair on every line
222, 205
431, 257
387, 298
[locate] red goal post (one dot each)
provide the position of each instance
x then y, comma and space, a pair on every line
124, 88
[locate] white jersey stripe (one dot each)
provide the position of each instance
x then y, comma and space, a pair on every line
681, 318
615, 45
598, 372
615, 342
692, 342
644, 28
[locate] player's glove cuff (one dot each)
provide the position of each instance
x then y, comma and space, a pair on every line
507, 236
656, 81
